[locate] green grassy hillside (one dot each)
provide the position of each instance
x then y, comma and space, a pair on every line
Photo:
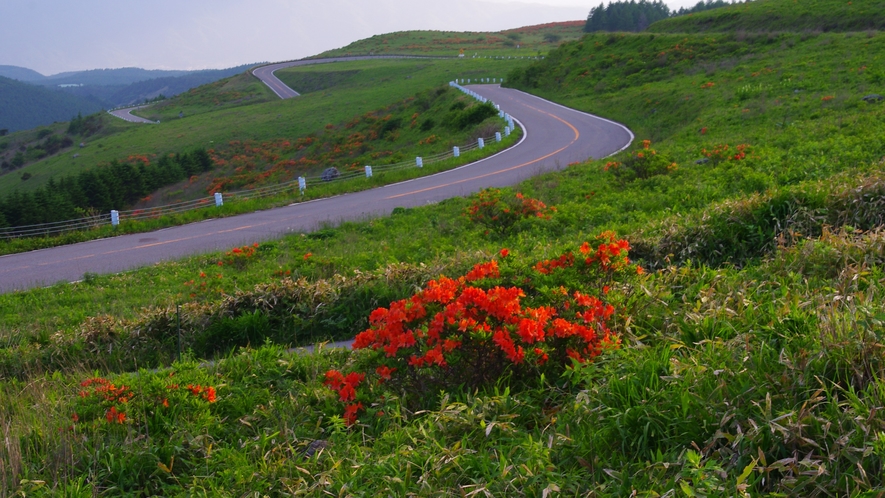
776, 16
531, 41
742, 357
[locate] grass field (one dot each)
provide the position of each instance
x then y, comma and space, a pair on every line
742, 358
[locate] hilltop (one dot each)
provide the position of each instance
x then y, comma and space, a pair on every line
700, 315
778, 16
525, 41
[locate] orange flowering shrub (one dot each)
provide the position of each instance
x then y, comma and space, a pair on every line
472, 331
500, 213
238, 257
100, 402
723, 152
641, 164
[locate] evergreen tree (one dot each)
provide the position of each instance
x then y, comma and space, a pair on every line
626, 16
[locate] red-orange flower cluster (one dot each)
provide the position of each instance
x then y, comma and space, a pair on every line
205, 392
345, 386
722, 152
477, 327
113, 415
500, 213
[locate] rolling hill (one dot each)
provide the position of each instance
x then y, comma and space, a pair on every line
24, 106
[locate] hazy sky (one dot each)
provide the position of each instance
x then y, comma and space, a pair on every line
52, 36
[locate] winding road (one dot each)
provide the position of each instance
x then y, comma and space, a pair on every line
555, 136
126, 115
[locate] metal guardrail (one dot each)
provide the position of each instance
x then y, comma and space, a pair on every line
115, 217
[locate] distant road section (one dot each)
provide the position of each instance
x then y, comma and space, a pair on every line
126, 114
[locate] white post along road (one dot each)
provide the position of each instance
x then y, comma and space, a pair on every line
555, 136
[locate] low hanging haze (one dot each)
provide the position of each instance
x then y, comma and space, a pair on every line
53, 36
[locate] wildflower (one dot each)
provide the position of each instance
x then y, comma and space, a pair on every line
113, 415
334, 379
308, 255
384, 373
350, 412
347, 392
504, 252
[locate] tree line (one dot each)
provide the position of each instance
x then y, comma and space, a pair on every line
117, 185
637, 16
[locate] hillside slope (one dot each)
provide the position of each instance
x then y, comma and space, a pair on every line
778, 15
20, 73
24, 106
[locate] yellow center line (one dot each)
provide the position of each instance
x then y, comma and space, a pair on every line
529, 163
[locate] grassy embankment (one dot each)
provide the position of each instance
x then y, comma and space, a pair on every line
750, 361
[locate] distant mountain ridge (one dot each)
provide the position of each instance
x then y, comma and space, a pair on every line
20, 73
29, 99
106, 77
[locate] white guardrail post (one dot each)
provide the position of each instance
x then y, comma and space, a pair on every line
219, 201
456, 151
419, 161
302, 184
497, 136
480, 142
115, 217
368, 171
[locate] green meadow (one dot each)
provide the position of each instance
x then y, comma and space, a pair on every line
700, 315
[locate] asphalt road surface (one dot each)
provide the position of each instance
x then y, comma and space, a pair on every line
554, 137
126, 114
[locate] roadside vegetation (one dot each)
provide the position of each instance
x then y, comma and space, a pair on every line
700, 315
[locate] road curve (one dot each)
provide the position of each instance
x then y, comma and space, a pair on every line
554, 137
126, 114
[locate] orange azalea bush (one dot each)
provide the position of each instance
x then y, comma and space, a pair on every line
723, 152
641, 164
496, 321
500, 213
158, 404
